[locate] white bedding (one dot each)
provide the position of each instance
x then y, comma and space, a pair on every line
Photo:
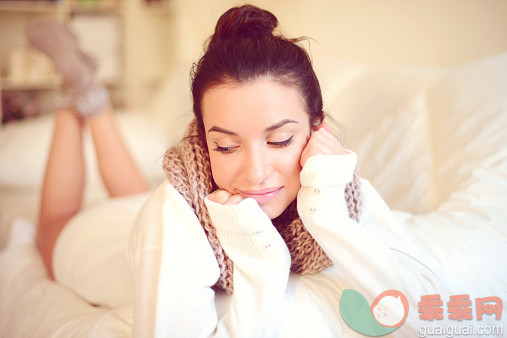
432, 142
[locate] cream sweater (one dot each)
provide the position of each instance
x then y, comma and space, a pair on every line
174, 266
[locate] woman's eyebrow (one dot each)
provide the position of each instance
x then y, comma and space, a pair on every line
222, 130
267, 130
279, 124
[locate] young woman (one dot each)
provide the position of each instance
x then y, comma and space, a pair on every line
263, 221
258, 188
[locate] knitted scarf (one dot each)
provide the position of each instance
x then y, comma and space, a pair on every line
188, 169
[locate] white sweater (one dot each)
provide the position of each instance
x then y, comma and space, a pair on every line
174, 266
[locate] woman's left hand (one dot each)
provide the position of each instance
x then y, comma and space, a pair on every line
322, 142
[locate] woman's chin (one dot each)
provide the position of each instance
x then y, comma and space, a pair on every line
274, 211
271, 212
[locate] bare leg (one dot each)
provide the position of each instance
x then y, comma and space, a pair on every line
64, 178
63, 185
117, 167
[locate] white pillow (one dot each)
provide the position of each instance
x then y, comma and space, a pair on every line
464, 237
396, 157
24, 148
446, 140
383, 116
468, 117
171, 105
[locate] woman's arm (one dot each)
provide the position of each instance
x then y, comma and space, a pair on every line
261, 268
175, 268
373, 256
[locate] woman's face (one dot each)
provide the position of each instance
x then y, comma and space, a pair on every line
256, 132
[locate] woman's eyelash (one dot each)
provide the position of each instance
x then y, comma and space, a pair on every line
228, 150
282, 143
225, 150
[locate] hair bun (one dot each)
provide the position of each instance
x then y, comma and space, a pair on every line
244, 21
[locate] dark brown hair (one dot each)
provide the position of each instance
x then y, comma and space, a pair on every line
243, 48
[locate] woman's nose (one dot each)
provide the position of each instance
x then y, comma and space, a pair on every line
257, 167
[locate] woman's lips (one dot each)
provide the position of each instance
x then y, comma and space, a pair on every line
261, 196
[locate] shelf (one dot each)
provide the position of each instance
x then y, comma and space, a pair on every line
95, 7
157, 8
136, 23
75, 7
26, 6
48, 84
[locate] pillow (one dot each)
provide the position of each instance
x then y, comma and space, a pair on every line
443, 140
396, 158
468, 119
361, 97
384, 117
464, 236
24, 148
23, 151
171, 105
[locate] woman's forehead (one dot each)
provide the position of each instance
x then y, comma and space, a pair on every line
262, 101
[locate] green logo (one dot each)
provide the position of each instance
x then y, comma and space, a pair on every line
387, 312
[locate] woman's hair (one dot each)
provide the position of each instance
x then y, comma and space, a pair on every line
243, 48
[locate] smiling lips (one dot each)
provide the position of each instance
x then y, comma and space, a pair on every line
261, 196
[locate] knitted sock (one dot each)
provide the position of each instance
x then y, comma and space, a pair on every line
81, 92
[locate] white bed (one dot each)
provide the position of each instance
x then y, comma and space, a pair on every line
432, 141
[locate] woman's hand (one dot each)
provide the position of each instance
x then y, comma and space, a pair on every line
322, 142
224, 197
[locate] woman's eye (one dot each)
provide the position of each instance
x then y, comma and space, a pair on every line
282, 144
225, 150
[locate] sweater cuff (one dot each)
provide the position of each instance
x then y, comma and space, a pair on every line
244, 217
323, 171
244, 230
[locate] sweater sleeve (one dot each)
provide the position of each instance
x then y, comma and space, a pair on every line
175, 268
373, 256
261, 268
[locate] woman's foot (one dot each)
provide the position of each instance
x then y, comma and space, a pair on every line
61, 46
80, 90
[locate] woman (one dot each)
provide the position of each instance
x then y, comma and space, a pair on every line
274, 191
258, 188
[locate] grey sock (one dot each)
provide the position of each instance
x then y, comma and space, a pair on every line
78, 69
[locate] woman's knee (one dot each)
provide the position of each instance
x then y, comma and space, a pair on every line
47, 235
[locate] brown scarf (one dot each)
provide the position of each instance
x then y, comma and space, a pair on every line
188, 169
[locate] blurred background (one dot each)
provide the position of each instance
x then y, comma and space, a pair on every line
137, 42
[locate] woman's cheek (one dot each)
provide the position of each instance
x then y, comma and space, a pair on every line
225, 170
290, 162
299, 151
218, 171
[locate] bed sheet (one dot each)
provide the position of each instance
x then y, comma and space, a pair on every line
32, 305
439, 156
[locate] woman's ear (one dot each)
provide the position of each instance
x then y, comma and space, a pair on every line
316, 125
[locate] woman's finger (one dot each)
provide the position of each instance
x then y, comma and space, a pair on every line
322, 142
326, 126
326, 135
219, 196
234, 199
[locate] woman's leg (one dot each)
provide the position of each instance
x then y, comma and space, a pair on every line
62, 190
118, 169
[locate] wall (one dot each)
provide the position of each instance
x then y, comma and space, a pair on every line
373, 32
